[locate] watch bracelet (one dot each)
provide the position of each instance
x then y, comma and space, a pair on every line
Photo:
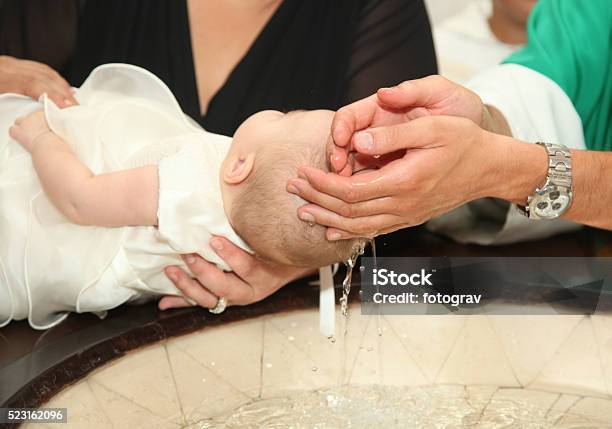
559, 172
559, 165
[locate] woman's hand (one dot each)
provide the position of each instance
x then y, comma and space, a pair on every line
28, 129
447, 161
34, 79
433, 95
250, 281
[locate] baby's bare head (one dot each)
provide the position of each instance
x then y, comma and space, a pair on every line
264, 214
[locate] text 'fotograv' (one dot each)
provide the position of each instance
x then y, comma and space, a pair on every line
384, 277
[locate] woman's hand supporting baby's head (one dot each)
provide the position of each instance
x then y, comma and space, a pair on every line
266, 152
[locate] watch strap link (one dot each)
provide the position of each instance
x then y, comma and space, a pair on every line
559, 165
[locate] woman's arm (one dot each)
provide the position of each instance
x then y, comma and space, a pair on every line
121, 198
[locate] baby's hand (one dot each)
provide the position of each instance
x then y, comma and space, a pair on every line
28, 129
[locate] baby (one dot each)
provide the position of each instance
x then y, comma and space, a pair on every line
129, 183
265, 153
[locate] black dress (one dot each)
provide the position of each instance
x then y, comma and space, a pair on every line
39, 30
311, 54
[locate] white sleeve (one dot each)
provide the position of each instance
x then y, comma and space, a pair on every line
536, 109
190, 207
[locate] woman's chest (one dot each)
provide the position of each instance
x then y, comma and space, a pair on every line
222, 32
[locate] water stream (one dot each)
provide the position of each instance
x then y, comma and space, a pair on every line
346, 290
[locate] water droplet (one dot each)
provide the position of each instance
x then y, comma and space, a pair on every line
331, 339
331, 400
212, 364
314, 369
370, 348
291, 338
268, 365
203, 380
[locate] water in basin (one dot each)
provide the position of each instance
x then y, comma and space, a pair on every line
388, 407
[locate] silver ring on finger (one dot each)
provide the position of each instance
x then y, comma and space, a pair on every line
220, 307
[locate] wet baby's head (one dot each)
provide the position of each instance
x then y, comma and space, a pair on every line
266, 151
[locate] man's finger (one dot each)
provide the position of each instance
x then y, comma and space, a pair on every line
358, 187
305, 191
424, 92
359, 209
338, 156
358, 227
340, 234
386, 140
361, 162
351, 118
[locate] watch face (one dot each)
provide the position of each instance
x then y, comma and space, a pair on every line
550, 203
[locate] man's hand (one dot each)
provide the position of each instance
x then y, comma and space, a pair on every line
250, 281
34, 79
433, 95
447, 161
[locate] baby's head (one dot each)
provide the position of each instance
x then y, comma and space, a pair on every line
266, 151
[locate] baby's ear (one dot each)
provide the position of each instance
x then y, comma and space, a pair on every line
238, 168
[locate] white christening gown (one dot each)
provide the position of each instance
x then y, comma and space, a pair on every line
126, 118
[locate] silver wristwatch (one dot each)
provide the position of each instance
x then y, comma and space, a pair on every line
555, 197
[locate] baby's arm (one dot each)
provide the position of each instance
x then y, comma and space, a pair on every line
121, 198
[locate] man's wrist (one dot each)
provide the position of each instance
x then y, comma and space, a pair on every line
518, 169
494, 121
590, 204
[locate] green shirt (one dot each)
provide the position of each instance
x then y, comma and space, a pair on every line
570, 42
